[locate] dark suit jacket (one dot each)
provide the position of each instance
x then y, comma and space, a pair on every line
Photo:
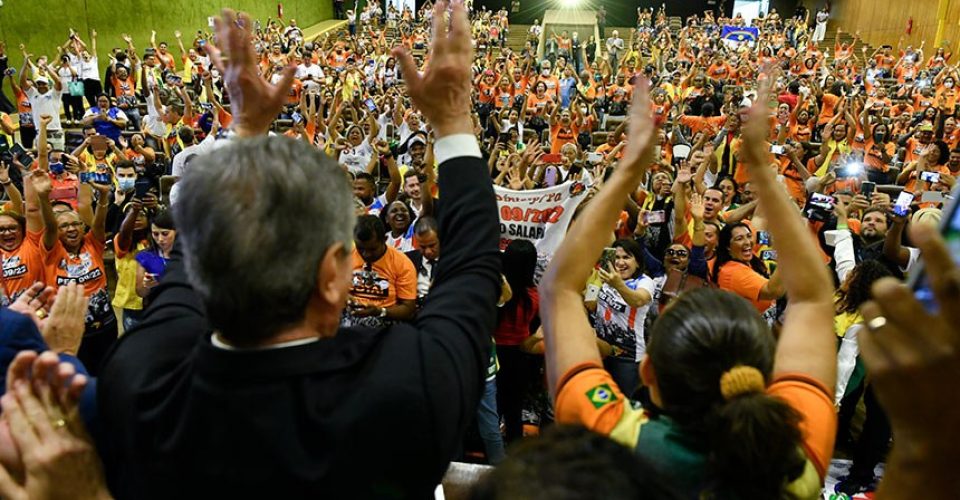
368, 413
417, 258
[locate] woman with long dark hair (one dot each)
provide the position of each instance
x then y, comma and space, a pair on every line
871, 446
516, 321
733, 412
739, 270
622, 306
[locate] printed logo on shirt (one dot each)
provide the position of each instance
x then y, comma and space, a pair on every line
601, 395
12, 268
80, 271
368, 284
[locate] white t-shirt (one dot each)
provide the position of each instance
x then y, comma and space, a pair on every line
313, 71
182, 159
404, 242
357, 158
87, 70
620, 325
405, 130
46, 104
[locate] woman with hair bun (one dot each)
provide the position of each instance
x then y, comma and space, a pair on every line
732, 411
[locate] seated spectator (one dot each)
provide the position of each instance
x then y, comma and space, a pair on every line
108, 120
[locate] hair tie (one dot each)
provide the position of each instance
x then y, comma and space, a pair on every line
741, 380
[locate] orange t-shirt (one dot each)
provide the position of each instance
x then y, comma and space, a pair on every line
587, 395
293, 96
85, 268
561, 136
538, 105
387, 280
742, 280
829, 108
24, 266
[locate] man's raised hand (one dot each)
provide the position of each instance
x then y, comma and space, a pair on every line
255, 102
442, 92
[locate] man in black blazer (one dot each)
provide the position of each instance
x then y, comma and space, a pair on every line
425, 257
239, 381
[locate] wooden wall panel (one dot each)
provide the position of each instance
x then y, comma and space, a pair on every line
885, 21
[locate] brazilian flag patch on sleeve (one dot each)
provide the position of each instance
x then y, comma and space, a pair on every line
601, 395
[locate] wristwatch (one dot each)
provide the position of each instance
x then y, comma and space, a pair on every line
383, 312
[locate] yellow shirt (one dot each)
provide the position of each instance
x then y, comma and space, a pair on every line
126, 296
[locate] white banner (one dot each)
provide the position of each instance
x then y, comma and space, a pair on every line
541, 216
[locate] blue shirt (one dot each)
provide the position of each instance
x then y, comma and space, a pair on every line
568, 87
19, 333
104, 127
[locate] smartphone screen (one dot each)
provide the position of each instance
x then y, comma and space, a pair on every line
655, 217
550, 176
607, 258
776, 149
867, 188
902, 207
950, 228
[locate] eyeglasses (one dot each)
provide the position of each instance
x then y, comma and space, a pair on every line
676, 253
9, 229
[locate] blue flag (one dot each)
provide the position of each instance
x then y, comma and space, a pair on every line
738, 34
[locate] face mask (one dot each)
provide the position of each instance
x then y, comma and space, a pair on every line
948, 84
56, 168
597, 78
126, 183
546, 72
878, 137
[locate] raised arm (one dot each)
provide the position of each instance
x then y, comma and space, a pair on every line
807, 343
16, 200
569, 338
460, 312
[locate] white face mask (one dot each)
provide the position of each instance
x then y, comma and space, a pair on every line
948, 84
546, 72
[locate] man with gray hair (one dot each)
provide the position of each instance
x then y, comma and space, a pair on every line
239, 381
614, 49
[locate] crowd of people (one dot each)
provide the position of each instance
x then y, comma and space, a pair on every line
274, 207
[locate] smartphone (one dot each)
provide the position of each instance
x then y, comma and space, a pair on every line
763, 238
607, 258
768, 255
930, 177
655, 217
594, 157
142, 187
819, 207
902, 207
776, 149
372, 106
550, 176
94, 177
950, 229
390, 130
867, 188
